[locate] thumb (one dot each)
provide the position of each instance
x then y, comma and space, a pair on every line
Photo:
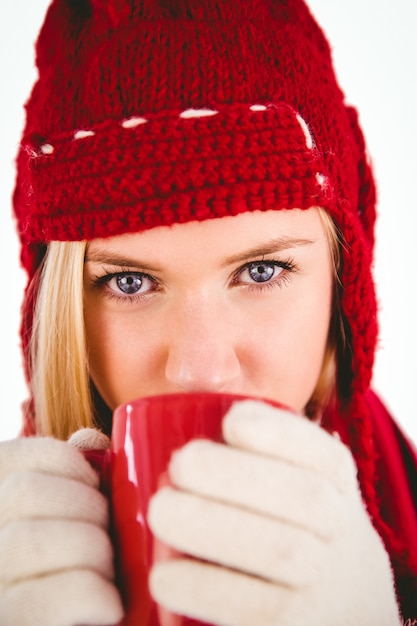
93, 444
89, 439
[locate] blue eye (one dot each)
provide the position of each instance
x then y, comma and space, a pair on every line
265, 273
129, 283
261, 272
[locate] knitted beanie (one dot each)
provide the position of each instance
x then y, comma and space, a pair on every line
155, 112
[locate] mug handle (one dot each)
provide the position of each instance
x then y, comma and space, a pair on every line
100, 460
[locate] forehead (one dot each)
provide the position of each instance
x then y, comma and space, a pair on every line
218, 237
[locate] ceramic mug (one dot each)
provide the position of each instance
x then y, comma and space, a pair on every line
145, 433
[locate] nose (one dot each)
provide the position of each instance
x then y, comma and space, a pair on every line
202, 352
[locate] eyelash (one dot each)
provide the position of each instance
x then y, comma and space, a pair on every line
101, 283
288, 266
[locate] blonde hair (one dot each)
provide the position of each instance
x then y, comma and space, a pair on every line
60, 379
326, 385
59, 367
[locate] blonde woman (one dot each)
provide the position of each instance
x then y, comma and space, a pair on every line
196, 212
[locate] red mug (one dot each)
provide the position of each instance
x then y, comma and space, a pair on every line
145, 433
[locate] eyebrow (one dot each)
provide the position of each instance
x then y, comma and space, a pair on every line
272, 246
107, 257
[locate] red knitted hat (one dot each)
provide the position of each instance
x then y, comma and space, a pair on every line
151, 112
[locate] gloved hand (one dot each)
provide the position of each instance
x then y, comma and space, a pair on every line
55, 554
278, 518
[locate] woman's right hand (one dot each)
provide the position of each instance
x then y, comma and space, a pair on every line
56, 556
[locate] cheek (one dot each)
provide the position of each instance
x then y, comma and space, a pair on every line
292, 355
306, 359
120, 357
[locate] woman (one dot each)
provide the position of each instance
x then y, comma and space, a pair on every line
196, 212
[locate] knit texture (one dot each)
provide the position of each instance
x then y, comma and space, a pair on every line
154, 112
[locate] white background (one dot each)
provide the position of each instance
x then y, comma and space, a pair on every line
375, 51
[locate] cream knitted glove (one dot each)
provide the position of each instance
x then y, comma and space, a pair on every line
56, 557
278, 518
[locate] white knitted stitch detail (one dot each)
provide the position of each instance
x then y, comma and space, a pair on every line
132, 122
82, 134
191, 113
47, 148
306, 131
321, 179
258, 107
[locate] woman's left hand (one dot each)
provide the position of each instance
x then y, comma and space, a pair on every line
276, 528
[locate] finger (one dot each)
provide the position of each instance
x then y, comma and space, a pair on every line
89, 439
218, 596
258, 483
65, 599
30, 495
46, 455
261, 428
37, 548
235, 538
